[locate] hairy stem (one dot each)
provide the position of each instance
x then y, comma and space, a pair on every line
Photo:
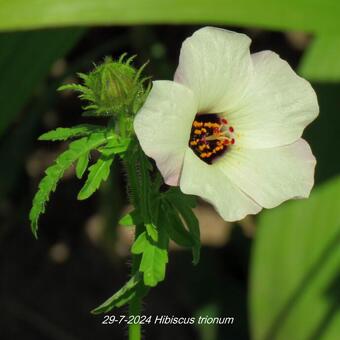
135, 303
134, 183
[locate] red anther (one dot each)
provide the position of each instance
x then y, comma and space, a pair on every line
224, 121
216, 130
231, 129
232, 141
225, 142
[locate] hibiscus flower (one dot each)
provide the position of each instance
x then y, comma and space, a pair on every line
228, 128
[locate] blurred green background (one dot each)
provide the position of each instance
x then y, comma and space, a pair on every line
277, 275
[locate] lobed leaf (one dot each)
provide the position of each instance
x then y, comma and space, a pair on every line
54, 173
154, 257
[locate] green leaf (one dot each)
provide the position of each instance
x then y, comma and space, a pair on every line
130, 219
152, 231
140, 244
295, 269
22, 72
321, 62
54, 173
120, 298
115, 146
82, 164
98, 173
72, 132
300, 15
184, 204
154, 257
174, 226
175, 194
153, 264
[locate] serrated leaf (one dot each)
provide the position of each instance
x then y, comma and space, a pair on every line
54, 173
82, 164
98, 173
130, 219
72, 132
121, 297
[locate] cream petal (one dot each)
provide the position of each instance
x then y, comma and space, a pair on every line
277, 106
163, 126
210, 183
216, 64
272, 175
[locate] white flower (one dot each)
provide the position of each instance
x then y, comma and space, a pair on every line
250, 155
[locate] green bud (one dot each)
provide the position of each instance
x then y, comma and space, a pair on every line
113, 88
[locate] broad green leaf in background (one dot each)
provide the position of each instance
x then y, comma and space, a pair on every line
295, 272
25, 59
312, 16
318, 17
321, 62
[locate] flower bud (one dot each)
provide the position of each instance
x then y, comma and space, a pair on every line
115, 88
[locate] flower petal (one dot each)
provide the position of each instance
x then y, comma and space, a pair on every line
277, 107
163, 126
210, 183
272, 175
216, 65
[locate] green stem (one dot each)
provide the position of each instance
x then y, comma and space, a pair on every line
135, 304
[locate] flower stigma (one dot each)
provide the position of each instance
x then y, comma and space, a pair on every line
210, 136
